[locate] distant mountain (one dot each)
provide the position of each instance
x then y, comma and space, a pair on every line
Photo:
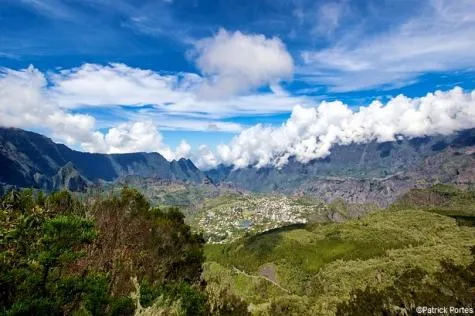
371, 172
66, 177
357, 173
29, 159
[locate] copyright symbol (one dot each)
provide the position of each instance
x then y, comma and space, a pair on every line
419, 309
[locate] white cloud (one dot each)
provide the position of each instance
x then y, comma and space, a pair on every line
236, 62
118, 84
310, 133
130, 137
329, 17
204, 158
95, 85
440, 38
31, 99
25, 102
183, 150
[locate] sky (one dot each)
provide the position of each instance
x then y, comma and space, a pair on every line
236, 82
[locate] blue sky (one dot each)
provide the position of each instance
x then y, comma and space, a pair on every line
123, 75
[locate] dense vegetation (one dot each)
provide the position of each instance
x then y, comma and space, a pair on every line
115, 254
452, 286
442, 199
322, 269
106, 256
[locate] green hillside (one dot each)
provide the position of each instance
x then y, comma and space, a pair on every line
232, 215
115, 254
442, 199
311, 268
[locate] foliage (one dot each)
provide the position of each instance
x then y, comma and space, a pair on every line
452, 285
289, 305
37, 246
442, 199
134, 240
61, 256
317, 266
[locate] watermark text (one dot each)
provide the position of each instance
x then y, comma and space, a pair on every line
449, 310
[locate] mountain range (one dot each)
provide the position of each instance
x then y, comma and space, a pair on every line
32, 160
371, 172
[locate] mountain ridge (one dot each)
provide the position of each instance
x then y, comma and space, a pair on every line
358, 173
30, 159
370, 172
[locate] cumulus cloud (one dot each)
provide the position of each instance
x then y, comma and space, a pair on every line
204, 158
25, 102
50, 102
236, 62
93, 85
183, 150
129, 137
310, 133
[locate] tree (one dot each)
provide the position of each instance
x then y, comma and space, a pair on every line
36, 251
60, 258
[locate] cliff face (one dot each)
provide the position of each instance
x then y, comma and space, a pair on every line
28, 159
372, 172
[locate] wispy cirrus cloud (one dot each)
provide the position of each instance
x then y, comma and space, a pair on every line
51, 8
439, 38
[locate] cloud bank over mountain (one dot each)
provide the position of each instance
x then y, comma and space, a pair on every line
310, 133
27, 100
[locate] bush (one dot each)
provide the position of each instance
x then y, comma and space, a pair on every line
452, 285
59, 259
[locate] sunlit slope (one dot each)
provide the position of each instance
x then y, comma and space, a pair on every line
442, 199
313, 267
233, 215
